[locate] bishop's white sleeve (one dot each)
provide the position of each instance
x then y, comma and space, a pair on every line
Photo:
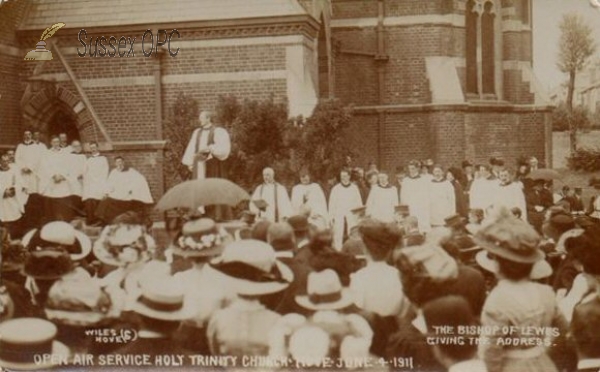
222, 146
284, 204
297, 197
188, 155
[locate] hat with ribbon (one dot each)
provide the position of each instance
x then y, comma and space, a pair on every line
124, 244
251, 268
199, 238
59, 234
22, 340
325, 292
161, 298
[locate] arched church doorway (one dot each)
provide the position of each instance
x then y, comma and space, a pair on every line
62, 120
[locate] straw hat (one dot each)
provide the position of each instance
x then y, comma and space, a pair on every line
25, 338
541, 269
199, 238
59, 234
510, 238
123, 244
252, 268
325, 292
161, 298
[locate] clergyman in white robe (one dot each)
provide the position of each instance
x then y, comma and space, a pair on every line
127, 191
28, 156
344, 197
278, 205
209, 146
11, 195
509, 195
309, 198
415, 194
442, 201
57, 184
382, 200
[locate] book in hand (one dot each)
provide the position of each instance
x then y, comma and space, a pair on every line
261, 204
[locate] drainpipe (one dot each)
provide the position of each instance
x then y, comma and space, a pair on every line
380, 59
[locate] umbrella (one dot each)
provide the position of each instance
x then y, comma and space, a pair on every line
544, 174
196, 193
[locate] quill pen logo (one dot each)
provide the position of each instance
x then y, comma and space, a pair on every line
595, 4
40, 53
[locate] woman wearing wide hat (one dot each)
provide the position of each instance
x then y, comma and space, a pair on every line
251, 269
516, 300
199, 241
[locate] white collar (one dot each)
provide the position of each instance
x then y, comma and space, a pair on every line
588, 363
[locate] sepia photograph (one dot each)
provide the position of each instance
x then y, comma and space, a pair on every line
290, 185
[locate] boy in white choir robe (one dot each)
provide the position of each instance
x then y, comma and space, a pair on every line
95, 177
442, 198
509, 194
308, 197
27, 160
127, 190
278, 205
11, 196
28, 156
57, 184
382, 200
415, 194
483, 190
77, 160
344, 197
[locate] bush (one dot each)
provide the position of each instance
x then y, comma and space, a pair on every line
181, 121
585, 159
561, 118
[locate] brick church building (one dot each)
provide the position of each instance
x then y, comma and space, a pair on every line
442, 79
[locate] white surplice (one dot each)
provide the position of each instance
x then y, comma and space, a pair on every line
415, 194
77, 168
266, 192
483, 193
342, 200
56, 163
442, 201
220, 149
28, 156
128, 185
11, 208
381, 203
510, 196
95, 177
309, 196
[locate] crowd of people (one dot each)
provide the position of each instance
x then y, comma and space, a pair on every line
459, 269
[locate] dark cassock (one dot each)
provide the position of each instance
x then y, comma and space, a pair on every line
127, 190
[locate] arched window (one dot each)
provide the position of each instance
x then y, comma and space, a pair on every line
480, 48
471, 47
487, 48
